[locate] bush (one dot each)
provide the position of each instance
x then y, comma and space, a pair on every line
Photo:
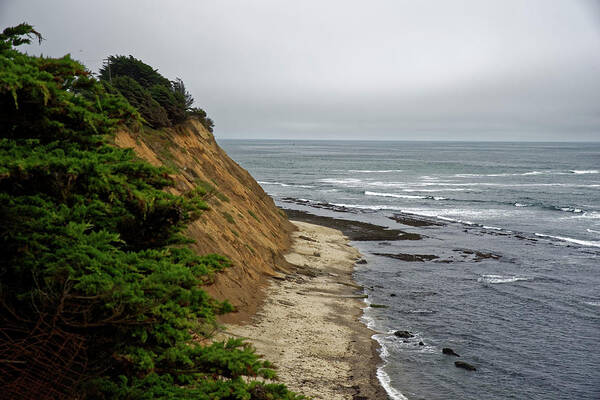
160, 102
94, 298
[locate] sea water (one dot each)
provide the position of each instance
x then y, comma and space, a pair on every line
515, 227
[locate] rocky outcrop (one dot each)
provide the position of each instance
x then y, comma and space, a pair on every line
449, 351
242, 223
464, 365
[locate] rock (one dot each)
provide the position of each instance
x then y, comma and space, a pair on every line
421, 344
361, 261
317, 254
403, 334
392, 294
409, 257
306, 238
373, 305
449, 351
464, 365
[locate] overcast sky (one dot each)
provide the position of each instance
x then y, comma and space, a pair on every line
418, 70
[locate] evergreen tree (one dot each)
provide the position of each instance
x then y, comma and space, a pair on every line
97, 301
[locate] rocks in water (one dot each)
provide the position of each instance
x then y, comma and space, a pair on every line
392, 294
464, 365
476, 256
355, 230
421, 344
414, 221
373, 305
449, 351
361, 261
404, 334
409, 257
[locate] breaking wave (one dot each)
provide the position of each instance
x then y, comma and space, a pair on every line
502, 279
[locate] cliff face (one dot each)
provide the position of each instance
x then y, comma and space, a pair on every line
242, 223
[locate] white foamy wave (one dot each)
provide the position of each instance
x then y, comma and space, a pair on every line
404, 196
367, 207
461, 221
521, 205
435, 190
593, 231
509, 174
284, 184
494, 228
501, 279
368, 171
571, 209
570, 240
584, 171
595, 303
589, 214
534, 173
349, 182
385, 381
399, 196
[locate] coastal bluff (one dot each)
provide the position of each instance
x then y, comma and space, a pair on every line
242, 221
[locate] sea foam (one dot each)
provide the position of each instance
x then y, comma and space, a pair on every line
501, 279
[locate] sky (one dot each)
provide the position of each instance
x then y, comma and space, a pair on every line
345, 69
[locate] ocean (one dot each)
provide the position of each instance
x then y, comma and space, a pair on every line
507, 270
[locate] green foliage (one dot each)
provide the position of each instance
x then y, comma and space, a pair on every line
160, 102
152, 111
228, 217
253, 215
88, 256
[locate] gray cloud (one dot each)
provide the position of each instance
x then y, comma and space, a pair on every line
394, 69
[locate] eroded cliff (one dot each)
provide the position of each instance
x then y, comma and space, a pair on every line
242, 223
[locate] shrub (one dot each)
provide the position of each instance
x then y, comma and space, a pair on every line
94, 297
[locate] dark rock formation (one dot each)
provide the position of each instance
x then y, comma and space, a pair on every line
409, 257
464, 365
449, 351
403, 334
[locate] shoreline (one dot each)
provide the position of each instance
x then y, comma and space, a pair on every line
309, 324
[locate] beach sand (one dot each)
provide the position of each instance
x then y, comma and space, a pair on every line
309, 323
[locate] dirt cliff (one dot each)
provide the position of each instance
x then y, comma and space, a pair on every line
242, 223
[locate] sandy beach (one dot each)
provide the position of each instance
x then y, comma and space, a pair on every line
309, 323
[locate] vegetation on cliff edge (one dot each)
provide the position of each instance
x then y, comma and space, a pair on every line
161, 102
97, 300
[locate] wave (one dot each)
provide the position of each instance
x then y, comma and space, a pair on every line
522, 205
502, 279
404, 196
398, 196
589, 214
593, 303
367, 207
570, 240
570, 209
460, 221
529, 173
344, 181
385, 381
354, 182
435, 190
285, 184
593, 231
368, 171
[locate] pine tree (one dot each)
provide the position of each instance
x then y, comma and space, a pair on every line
98, 299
